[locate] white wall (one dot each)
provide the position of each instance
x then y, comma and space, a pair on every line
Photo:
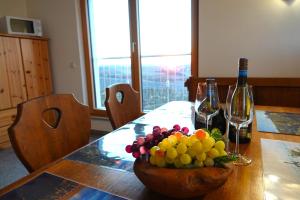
265, 31
62, 24
15, 8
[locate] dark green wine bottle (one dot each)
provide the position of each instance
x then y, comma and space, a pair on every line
217, 121
245, 133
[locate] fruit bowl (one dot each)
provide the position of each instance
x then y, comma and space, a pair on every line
181, 183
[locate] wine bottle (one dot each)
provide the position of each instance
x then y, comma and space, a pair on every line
218, 120
240, 97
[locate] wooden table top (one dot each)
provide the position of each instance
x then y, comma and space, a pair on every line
105, 165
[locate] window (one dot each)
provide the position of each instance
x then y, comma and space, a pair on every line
150, 44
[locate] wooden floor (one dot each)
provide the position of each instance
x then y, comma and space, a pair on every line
11, 169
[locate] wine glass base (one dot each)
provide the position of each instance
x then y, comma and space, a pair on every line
242, 160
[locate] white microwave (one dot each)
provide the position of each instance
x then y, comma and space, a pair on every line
20, 26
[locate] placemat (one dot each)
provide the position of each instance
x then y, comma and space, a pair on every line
281, 169
105, 154
50, 187
278, 122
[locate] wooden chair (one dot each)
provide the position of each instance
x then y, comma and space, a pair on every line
124, 108
266, 91
48, 128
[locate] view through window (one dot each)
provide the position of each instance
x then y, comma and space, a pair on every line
165, 48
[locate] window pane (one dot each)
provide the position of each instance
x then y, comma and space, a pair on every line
165, 34
110, 42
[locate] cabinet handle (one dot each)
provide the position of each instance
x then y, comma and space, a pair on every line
28, 72
1, 90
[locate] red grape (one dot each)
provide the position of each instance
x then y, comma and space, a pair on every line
140, 141
185, 130
136, 154
176, 127
128, 149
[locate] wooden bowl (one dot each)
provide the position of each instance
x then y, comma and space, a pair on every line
181, 183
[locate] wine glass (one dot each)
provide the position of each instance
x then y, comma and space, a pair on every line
207, 101
239, 113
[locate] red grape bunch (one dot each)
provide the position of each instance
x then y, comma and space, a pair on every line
142, 145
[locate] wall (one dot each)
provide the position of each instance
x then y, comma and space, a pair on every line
265, 31
16, 8
62, 24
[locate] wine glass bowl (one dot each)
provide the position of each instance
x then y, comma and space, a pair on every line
239, 113
207, 100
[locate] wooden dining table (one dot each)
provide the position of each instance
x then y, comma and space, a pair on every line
104, 165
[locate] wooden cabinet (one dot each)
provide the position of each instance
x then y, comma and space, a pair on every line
24, 74
36, 66
7, 117
12, 83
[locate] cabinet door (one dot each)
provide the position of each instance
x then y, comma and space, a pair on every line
15, 71
36, 66
4, 138
4, 84
46, 68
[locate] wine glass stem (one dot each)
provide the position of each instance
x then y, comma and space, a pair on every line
207, 119
237, 140
227, 136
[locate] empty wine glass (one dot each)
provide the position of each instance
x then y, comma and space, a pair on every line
207, 100
239, 113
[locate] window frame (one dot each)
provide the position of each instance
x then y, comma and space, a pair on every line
135, 59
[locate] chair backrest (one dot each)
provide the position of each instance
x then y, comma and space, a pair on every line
122, 104
266, 91
48, 128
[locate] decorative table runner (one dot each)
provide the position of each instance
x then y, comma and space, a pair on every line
176, 112
108, 151
276, 122
50, 187
281, 168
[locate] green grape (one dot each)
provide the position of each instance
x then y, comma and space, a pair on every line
169, 160
209, 162
207, 135
181, 148
208, 143
191, 152
171, 153
198, 163
160, 161
172, 139
178, 163
197, 147
153, 160
166, 143
162, 146
201, 157
185, 159
153, 150
191, 140
223, 153
213, 153
184, 139
220, 145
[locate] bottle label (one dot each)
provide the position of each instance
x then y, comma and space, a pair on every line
243, 73
245, 134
